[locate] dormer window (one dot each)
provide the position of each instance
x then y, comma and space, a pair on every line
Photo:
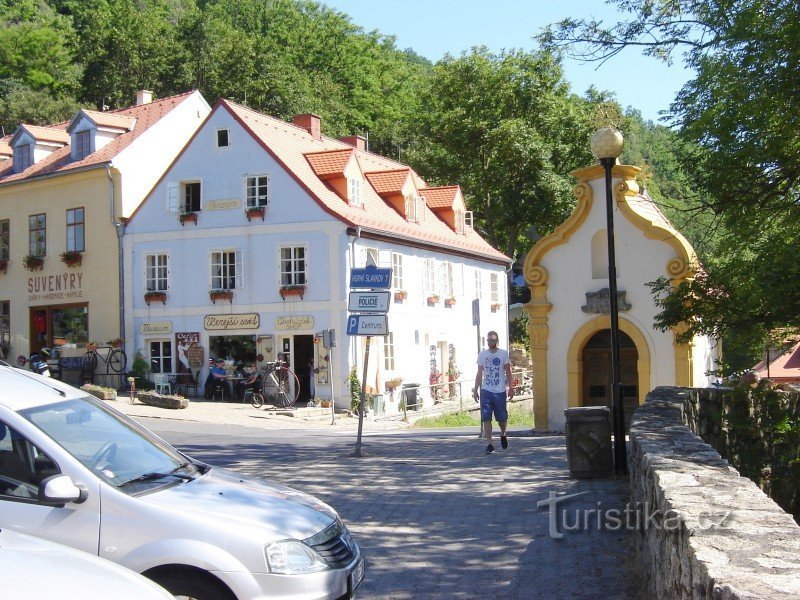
414, 207
355, 192
83, 144
23, 157
459, 221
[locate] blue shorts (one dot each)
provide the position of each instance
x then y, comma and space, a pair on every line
493, 402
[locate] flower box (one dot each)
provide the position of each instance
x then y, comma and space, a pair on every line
496, 306
221, 295
400, 295
3, 266
116, 343
33, 263
449, 302
292, 290
154, 296
432, 299
72, 258
251, 212
185, 217
91, 346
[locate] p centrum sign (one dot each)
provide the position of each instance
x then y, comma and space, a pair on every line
228, 322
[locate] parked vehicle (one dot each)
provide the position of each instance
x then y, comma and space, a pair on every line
36, 569
78, 472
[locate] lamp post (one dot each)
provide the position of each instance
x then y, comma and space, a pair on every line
607, 145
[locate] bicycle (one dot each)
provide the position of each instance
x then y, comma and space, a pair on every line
115, 359
280, 384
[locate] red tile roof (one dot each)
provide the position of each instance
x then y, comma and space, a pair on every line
47, 134
59, 161
440, 197
289, 145
388, 182
329, 163
108, 119
783, 366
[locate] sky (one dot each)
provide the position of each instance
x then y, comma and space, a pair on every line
433, 28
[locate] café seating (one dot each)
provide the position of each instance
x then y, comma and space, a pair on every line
162, 383
185, 382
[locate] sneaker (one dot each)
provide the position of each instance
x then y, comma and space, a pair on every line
489, 449
504, 442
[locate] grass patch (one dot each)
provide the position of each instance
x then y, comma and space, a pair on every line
517, 417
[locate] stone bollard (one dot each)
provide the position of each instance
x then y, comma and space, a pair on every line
588, 433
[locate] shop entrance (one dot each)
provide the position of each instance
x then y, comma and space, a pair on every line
303, 363
53, 326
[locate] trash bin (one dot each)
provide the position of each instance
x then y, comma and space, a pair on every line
377, 404
588, 433
411, 396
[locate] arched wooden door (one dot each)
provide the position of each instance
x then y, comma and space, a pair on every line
597, 372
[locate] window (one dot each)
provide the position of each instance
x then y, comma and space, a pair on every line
5, 240
411, 207
429, 276
160, 357
293, 265
223, 138
37, 238
355, 192
5, 325
446, 277
226, 270
83, 144
478, 284
257, 191
494, 288
459, 221
23, 466
23, 157
397, 271
75, 230
70, 325
156, 272
388, 352
190, 196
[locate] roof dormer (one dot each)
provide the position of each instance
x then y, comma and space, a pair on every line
447, 203
340, 170
31, 143
91, 131
397, 188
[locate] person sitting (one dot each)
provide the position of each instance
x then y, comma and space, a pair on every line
253, 381
218, 377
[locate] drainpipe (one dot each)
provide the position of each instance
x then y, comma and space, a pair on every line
120, 229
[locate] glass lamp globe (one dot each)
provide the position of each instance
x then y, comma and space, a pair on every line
607, 142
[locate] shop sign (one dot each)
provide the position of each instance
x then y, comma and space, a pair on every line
190, 353
222, 204
156, 328
64, 286
228, 322
294, 322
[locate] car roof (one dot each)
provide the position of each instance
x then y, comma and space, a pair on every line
64, 572
24, 389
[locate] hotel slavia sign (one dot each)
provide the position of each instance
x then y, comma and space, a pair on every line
64, 286
226, 322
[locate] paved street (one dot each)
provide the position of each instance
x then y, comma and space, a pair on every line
435, 517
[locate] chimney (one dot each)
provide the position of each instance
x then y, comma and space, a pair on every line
358, 142
144, 97
311, 123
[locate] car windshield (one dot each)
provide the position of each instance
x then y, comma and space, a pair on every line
112, 446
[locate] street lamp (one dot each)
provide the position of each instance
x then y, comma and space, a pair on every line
607, 145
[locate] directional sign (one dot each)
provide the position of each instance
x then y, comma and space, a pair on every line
373, 302
367, 325
371, 277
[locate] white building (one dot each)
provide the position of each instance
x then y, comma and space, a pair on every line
569, 326
274, 215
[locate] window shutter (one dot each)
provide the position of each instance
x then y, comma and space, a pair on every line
420, 209
384, 258
172, 197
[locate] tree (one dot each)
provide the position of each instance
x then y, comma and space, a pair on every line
740, 120
508, 130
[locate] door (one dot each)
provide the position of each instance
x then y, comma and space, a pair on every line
26, 460
596, 358
304, 364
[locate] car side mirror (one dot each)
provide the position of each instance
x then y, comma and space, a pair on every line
60, 489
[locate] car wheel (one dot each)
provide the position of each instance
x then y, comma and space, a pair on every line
194, 586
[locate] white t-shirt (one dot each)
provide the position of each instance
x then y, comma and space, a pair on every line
494, 369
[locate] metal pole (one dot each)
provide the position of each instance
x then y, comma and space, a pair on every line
330, 379
357, 451
620, 455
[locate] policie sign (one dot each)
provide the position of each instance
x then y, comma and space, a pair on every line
374, 302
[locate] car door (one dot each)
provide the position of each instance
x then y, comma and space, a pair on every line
27, 457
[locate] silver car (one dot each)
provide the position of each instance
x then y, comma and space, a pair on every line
36, 569
76, 471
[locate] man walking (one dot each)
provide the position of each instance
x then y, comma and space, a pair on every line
492, 388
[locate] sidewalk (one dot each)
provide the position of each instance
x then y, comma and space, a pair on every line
238, 413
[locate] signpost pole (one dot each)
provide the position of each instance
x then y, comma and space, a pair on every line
357, 452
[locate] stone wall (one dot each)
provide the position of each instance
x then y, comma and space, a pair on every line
705, 531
